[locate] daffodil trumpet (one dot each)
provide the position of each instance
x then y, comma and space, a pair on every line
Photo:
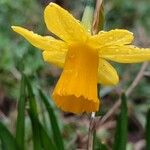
83, 57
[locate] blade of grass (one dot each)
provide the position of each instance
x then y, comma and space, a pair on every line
43, 114
7, 139
54, 124
148, 131
33, 116
20, 126
39, 133
46, 140
121, 129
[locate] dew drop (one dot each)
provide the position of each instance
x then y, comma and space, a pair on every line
72, 56
89, 30
68, 71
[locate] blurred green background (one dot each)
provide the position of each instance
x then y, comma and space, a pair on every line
17, 54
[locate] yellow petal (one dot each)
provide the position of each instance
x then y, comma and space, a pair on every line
41, 42
76, 90
125, 54
113, 37
63, 24
55, 57
107, 75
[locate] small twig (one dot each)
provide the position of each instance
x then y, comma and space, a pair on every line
137, 79
96, 18
128, 93
110, 112
108, 125
91, 131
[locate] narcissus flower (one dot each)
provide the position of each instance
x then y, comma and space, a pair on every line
83, 58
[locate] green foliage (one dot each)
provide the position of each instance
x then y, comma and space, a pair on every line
122, 124
20, 126
128, 14
41, 139
40, 136
17, 55
8, 141
34, 118
13, 50
53, 121
148, 131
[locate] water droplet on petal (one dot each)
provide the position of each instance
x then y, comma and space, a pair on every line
72, 56
117, 50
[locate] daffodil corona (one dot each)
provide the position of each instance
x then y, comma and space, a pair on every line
83, 58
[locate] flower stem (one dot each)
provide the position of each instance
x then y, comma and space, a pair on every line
91, 131
93, 21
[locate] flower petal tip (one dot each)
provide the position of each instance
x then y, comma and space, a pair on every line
14, 27
51, 4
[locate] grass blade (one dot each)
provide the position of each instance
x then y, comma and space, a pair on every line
40, 136
20, 126
148, 131
54, 124
33, 116
7, 139
46, 140
121, 129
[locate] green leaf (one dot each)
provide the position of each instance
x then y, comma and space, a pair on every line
7, 139
33, 116
20, 126
121, 129
97, 144
148, 131
54, 124
40, 137
46, 140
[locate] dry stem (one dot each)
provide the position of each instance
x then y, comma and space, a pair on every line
91, 132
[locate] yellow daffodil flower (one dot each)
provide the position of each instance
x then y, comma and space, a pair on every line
83, 58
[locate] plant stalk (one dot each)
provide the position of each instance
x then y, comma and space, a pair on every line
91, 131
93, 21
